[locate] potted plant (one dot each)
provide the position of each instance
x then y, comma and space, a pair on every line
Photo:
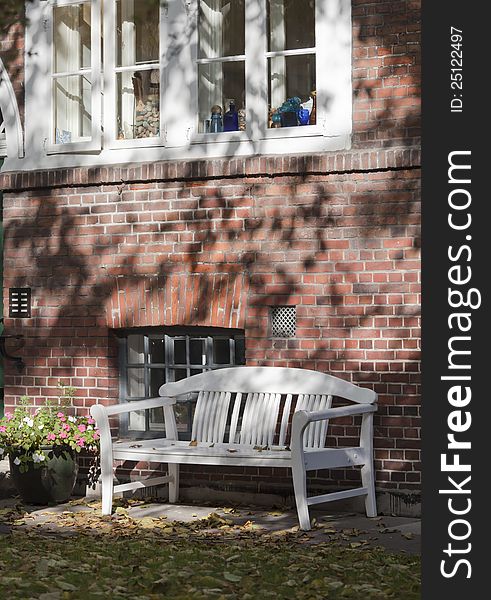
42, 445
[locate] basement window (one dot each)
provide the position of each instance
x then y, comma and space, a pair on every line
150, 358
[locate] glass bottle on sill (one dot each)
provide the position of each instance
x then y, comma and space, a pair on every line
216, 125
231, 118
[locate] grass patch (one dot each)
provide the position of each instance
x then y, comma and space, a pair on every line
77, 554
146, 566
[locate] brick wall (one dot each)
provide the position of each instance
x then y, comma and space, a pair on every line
341, 246
386, 72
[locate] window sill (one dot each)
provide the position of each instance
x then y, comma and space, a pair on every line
224, 137
152, 142
81, 147
294, 132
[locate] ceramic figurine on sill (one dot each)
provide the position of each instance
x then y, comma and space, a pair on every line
242, 119
313, 112
276, 119
303, 116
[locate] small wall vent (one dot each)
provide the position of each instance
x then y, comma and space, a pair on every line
20, 303
283, 321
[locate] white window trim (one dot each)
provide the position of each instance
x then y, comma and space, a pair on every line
179, 89
12, 138
109, 78
95, 141
256, 68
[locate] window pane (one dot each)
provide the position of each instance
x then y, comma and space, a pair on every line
157, 378
197, 353
195, 371
72, 37
239, 351
180, 352
156, 351
137, 421
157, 420
136, 383
220, 85
138, 104
221, 28
183, 418
178, 374
221, 352
137, 25
291, 24
73, 108
291, 88
135, 352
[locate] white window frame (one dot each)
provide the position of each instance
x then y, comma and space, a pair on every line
333, 75
95, 141
179, 138
110, 76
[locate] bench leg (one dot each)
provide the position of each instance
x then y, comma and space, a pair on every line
367, 480
107, 490
300, 488
174, 483
367, 472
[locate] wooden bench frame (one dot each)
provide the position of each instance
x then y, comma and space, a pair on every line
252, 395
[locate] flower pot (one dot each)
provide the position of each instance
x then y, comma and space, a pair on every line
52, 482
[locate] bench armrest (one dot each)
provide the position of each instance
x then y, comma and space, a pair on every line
127, 407
302, 418
102, 413
333, 413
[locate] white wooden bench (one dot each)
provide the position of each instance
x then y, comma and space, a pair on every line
243, 417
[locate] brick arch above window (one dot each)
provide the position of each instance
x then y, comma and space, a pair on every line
10, 121
199, 299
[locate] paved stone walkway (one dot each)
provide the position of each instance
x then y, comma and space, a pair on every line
396, 534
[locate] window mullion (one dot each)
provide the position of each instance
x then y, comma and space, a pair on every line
164, 39
333, 66
109, 71
256, 69
180, 100
96, 67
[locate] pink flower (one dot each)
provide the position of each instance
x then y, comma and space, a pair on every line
60, 414
3, 429
9, 416
63, 435
90, 421
51, 437
66, 427
80, 442
96, 435
81, 428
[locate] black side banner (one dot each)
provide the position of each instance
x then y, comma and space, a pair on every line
456, 308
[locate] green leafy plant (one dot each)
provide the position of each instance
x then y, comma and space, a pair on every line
29, 435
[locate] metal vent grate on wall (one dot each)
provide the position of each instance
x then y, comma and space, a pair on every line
283, 321
20, 303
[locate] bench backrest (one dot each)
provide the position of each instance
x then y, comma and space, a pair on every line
255, 403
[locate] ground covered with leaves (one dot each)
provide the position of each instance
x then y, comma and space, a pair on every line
75, 555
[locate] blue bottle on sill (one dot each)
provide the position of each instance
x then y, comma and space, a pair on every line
216, 125
231, 119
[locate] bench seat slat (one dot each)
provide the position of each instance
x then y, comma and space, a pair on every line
205, 453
